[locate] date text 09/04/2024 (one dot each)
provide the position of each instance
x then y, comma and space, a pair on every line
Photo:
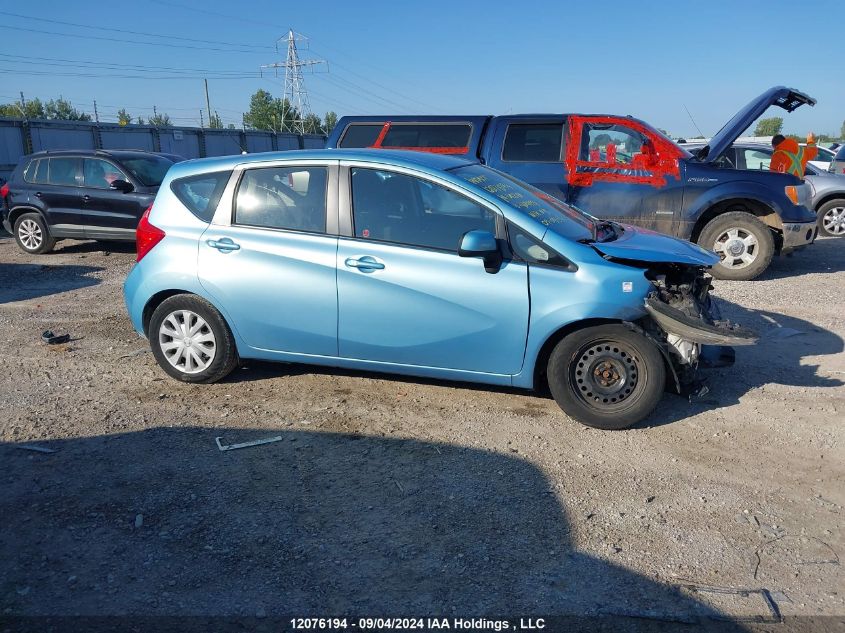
410, 624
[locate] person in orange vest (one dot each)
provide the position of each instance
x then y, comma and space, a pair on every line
790, 157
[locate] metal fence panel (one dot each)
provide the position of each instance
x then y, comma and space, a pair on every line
287, 141
185, 143
48, 136
128, 138
223, 143
258, 142
313, 141
11, 148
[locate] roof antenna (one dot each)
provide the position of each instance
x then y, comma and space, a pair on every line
693, 120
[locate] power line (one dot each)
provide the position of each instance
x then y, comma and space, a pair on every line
145, 34
124, 41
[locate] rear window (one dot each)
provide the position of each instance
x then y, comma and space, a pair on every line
357, 136
148, 170
533, 142
201, 194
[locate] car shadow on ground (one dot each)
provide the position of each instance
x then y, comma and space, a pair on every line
826, 255
99, 246
19, 282
161, 522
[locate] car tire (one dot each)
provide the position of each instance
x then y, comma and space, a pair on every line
608, 376
32, 234
190, 340
740, 238
832, 218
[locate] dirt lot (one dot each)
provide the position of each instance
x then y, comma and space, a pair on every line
397, 496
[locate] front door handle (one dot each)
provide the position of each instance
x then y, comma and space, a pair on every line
86, 198
224, 245
365, 264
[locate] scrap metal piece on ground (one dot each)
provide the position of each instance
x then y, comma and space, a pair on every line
774, 612
232, 447
54, 339
37, 449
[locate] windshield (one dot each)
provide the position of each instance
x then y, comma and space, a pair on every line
548, 210
148, 170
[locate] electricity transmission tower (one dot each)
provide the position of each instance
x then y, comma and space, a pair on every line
295, 95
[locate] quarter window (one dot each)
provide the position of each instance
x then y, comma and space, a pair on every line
201, 194
530, 142
99, 173
394, 207
292, 198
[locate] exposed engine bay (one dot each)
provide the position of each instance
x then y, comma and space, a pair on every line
687, 325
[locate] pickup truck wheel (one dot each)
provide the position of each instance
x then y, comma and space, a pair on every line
32, 234
832, 218
608, 377
743, 243
191, 341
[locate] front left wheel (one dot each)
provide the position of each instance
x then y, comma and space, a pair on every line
608, 377
191, 341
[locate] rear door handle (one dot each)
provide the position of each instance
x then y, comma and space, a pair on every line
365, 264
37, 194
224, 245
86, 198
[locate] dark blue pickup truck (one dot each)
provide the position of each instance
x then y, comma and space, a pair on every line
622, 169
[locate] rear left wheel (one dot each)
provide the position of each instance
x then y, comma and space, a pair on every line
608, 377
32, 234
191, 341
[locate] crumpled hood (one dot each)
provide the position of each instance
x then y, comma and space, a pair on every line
640, 244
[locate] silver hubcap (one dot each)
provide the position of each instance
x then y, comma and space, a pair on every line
187, 341
737, 248
834, 221
30, 234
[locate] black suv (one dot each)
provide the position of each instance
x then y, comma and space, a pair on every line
84, 194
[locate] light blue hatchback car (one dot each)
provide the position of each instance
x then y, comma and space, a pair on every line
419, 264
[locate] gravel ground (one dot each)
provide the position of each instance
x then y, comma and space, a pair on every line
389, 495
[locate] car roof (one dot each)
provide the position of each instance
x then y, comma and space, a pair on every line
439, 162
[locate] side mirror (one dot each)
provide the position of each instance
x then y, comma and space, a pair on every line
122, 185
482, 244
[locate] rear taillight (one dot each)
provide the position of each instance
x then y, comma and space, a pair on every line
147, 235
4, 190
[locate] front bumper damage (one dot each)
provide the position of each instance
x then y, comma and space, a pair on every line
797, 235
689, 329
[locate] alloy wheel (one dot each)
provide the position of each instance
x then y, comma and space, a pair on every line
834, 221
737, 248
30, 234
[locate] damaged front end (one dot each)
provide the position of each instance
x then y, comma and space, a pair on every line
687, 325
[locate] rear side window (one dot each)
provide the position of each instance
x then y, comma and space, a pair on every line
63, 171
533, 143
427, 135
201, 194
290, 198
357, 136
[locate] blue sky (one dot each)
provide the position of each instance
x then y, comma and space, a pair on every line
647, 59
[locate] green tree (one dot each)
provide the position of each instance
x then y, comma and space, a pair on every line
160, 120
842, 131
63, 110
123, 117
214, 121
313, 124
269, 113
32, 109
329, 121
769, 127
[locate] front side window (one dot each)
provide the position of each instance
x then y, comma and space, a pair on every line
533, 142
291, 198
392, 207
99, 173
63, 171
614, 145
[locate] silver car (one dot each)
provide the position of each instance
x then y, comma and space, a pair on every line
828, 199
